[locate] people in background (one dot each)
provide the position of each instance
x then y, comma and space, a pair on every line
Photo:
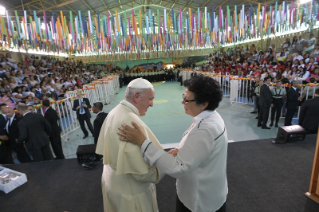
55, 136
292, 102
278, 95
309, 114
34, 133
81, 106
98, 122
265, 102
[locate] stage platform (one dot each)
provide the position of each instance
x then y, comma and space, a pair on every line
261, 176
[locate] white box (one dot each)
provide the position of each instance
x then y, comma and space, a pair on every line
6, 188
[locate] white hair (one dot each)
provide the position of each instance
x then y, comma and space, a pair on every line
129, 93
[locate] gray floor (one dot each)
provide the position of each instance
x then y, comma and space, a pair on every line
168, 121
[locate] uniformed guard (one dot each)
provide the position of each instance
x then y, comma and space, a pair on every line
257, 92
278, 94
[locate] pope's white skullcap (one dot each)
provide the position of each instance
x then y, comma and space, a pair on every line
140, 83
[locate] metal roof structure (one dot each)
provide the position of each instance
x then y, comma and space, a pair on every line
122, 6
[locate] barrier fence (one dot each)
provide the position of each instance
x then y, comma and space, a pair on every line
238, 89
102, 90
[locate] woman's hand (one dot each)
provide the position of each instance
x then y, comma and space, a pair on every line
173, 152
134, 135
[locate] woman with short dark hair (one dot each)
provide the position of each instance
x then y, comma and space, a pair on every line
199, 162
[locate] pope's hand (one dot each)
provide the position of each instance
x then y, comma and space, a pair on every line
134, 135
173, 152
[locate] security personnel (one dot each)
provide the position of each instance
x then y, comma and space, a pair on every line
257, 92
278, 95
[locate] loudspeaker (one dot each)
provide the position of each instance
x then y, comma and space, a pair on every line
290, 134
86, 153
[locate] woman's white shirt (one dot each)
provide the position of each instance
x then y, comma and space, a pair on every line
200, 164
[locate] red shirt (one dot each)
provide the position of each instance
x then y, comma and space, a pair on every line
257, 73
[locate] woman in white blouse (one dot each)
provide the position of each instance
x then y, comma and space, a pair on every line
199, 162
291, 76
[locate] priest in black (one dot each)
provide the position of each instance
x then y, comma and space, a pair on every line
81, 106
55, 136
98, 122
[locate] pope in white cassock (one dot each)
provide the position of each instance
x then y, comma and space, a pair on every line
127, 180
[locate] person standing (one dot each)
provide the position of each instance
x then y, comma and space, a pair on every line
122, 79
81, 106
292, 102
34, 134
309, 114
255, 84
265, 101
5, 155
257, 92
55, 136
199, 162
278, 95
12, 131
127, 180
98, 122
3, 117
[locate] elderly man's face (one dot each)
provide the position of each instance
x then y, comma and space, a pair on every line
8, 111
145, 100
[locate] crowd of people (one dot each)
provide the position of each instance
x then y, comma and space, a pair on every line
28, 83
36, 79
292, 74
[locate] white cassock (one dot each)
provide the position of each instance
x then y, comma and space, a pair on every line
127, 180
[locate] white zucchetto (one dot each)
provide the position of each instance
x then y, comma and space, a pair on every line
140, 83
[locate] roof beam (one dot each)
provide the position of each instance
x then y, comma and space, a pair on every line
224, 3
188, 4
204, 3
25, 4
104, 3
181, 4
88, 5
58, 5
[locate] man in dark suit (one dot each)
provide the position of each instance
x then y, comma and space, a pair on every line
34, 134
292, 102
5, 148
309, 114
97, 109
265, 100
12, 132
3, 117
55, 136
5, 156
81, 106
122, 79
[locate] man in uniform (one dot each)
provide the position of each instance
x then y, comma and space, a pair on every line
278, 94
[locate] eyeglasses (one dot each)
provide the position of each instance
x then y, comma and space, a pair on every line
186, 100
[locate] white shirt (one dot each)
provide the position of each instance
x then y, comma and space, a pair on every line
200, 164
299, 57
81, 101
10, 121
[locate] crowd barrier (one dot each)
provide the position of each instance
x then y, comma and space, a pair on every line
238, 89
102, 90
